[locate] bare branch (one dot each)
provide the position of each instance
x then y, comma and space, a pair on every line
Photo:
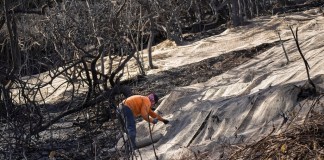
295, 35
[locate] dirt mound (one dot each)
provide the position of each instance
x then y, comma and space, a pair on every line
167, 44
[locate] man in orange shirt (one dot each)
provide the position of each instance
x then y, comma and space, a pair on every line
138, 105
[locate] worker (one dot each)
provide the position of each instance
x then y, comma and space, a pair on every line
135, 106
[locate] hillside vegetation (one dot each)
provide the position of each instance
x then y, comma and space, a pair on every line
66, 64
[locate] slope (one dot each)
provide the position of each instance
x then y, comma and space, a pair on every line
245, 103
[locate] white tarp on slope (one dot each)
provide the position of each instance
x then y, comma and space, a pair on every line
231, 108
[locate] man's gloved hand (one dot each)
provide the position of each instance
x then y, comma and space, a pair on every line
155, 120
165, 121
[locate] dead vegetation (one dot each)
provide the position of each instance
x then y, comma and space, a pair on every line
22, 134
299, 141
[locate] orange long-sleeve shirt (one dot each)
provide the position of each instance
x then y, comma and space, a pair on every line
141, 105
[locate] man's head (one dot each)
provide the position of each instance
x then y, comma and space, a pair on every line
153, 98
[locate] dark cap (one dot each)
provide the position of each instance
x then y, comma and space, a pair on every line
156, 98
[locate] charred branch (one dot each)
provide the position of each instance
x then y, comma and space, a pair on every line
295, 35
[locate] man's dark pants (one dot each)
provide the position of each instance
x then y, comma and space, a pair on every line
129, 123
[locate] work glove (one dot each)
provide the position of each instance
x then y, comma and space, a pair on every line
165, 121
155, 120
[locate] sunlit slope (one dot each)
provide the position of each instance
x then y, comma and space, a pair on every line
247, 102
